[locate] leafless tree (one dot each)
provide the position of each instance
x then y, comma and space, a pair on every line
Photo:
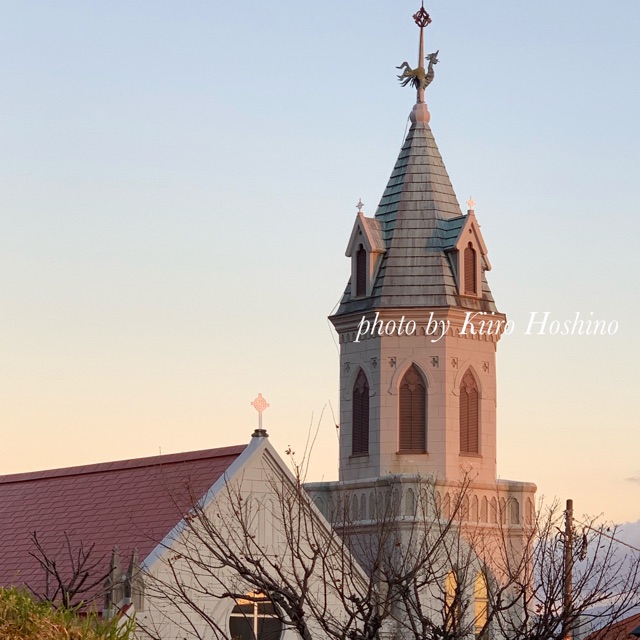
434, 573
71, 572
604, 576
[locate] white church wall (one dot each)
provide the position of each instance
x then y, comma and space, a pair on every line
246, 508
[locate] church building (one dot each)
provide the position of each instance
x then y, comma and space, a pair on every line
418, 330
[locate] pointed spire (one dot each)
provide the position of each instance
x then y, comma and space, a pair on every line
134, 584
133, 567
419, 219
113, 583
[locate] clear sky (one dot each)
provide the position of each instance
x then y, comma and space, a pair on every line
178, 183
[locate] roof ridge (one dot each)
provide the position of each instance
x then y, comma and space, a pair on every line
119, 465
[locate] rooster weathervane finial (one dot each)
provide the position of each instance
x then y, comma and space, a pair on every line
419, 77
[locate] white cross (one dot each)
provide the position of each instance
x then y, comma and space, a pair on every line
359, 205
260, 405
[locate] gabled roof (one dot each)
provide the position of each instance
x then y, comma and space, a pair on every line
132, 504
372, 235
469, 226
420, 218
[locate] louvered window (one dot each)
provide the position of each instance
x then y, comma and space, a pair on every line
361, 271
469, 414
360, 424
413, 412
470, 270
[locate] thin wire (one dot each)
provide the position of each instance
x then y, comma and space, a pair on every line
602, 533
406, 129
333, 337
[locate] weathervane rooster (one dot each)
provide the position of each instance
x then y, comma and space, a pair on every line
419, 78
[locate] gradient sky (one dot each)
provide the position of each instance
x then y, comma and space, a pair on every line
178, 183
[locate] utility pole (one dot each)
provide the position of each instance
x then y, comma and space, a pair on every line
568, 571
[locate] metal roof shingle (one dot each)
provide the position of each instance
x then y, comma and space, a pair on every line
131, 504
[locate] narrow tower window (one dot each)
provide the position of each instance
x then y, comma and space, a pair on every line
470, 270
413, 412
452, 609
469, 414
360, 415
361, 271
481, 602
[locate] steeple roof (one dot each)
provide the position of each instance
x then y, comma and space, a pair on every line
421, 219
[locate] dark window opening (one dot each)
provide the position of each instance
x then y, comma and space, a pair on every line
470, 270
469, 418
255, 620
413, 412
360, 415
361, 271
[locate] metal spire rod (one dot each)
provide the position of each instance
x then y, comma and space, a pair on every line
422, 19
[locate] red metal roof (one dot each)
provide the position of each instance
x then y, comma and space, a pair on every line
131, 503
620, 630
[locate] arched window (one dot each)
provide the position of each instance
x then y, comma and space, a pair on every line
254, 618
480, 606
531, 512
361, 271
410, 503
515, 511
445, 513
470, 271
452, 602
355, 508
484, 510
360, 417
475, 516
413, 412
437, 505
469, 417
464, 509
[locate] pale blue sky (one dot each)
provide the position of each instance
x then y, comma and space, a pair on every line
178, 182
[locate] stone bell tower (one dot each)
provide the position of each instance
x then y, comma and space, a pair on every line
417, 324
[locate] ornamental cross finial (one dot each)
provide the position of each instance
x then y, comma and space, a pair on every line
360, 205
471, 204
421, 17
260, 405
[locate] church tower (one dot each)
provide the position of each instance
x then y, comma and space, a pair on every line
417, 324
418, 331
